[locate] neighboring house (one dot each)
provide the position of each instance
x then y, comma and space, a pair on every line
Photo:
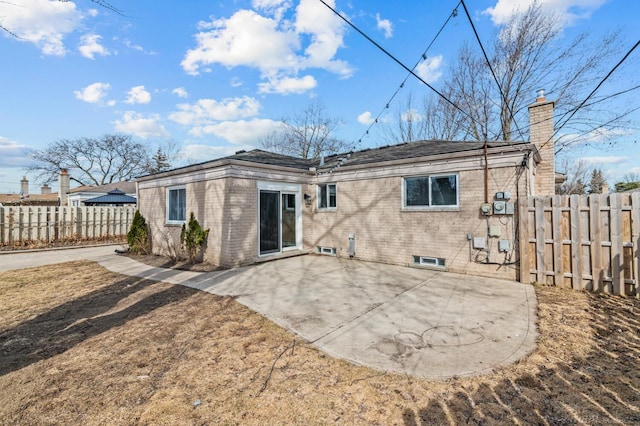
24, 198
434, 204
115, 198
78, 196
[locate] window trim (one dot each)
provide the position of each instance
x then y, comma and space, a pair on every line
319, 196
167, 209
452, 207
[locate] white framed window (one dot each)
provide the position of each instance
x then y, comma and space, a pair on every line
176, 204
430, 192
327, 196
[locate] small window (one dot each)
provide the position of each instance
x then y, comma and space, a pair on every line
327, 196
289, 202
176, 204
431, 191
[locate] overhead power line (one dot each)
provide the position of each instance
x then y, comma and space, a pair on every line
575, 110
396, 60
423, 56
495, 78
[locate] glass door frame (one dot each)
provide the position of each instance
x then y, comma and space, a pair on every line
282, 189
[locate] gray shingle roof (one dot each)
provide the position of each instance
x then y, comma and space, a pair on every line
113, 197
415, 149
125, 186
401, 151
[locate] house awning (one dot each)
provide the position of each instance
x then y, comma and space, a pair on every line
112, 197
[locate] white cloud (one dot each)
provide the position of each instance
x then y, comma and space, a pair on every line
385, 25
235, 82
430, 69
138, 95
366, 118
93, 12
131, 45
594, 136
180, 92
140, 125
93, 93
569, 10
274, 45
196, 153
207, 111
288, 85
90, 46
41, 22
244, 39
238, 132
14, 154
411, 115
605, 160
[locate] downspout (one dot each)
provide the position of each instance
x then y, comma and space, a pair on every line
486, 174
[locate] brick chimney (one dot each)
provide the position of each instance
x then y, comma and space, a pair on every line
64, 182
541, 128
45, 189
24, 187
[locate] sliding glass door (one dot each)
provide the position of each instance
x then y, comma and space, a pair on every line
279, 218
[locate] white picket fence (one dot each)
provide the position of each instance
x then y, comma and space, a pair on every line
47, 224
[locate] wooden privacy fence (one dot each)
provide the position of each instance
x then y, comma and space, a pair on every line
32, 223
581, 242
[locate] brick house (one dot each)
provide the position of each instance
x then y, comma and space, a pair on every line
434, 204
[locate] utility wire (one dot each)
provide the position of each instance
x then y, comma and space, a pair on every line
606, 77
495, 78
453, 14
396, 60
560, 115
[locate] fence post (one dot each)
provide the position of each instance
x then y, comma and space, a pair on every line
556, 218
576, 243
617, 252
541, 276
635, 239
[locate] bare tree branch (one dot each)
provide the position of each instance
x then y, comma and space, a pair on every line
308, 134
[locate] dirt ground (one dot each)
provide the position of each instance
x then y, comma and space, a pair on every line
166, 262
82, 345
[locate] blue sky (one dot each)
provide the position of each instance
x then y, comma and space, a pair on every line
216, 76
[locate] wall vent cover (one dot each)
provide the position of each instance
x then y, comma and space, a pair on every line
429, 261
330, 251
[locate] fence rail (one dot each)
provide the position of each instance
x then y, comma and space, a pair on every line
586, 243
32, 223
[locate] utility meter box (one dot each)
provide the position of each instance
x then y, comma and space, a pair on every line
499, 207
485, 209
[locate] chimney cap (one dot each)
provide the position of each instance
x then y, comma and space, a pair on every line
540, 95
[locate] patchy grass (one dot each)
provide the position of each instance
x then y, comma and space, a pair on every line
81, 345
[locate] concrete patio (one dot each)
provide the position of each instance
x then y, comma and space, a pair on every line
410, 321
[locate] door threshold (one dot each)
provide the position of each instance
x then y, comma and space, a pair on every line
283, 255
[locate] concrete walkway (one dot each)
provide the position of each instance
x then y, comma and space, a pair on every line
410, 321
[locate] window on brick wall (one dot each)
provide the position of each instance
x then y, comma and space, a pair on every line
433, 191
176, 204
327, 196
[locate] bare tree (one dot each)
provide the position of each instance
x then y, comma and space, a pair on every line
96, 161
308, 134
435, 119
409, 125
578, 175
528, 54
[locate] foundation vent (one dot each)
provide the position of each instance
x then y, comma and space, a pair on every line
429, 261
330, 251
